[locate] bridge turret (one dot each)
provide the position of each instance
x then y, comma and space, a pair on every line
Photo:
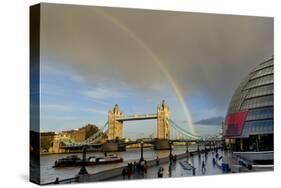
163, 127
115, 127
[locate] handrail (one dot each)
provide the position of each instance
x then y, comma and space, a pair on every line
68, 180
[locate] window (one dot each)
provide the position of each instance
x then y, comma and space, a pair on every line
263, 72
260, 81
261, 113
257, 102
257, 127
259, 91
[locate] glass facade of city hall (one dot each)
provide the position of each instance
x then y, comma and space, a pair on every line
249, 121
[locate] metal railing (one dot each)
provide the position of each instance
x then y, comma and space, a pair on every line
64, 181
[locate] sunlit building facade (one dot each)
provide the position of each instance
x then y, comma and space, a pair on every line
249, 122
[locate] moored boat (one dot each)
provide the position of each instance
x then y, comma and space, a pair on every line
74, 160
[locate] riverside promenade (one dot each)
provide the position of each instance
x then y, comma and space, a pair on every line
178, 168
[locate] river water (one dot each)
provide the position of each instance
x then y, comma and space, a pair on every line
49, 174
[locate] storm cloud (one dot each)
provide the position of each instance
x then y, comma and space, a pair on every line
206, 54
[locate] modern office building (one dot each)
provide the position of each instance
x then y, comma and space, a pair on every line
248, 125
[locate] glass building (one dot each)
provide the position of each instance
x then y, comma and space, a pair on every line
249, 121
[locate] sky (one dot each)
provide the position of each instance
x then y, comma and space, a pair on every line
95, 57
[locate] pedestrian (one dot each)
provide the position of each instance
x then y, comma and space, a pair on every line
175, 158
171, 157
145, 168
193, 171
56, 181
160, 172
138, 167
135, 166
129, 173
214, 161
141, 165
157, 161
203, 165
124, 172
170, 170
131, 166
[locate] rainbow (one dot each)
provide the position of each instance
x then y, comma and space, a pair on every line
155, 59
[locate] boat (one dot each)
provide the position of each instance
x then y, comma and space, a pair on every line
104, 160
74, 160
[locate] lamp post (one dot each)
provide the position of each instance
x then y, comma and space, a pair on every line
141, 158
83, 169
186, 144
170, 155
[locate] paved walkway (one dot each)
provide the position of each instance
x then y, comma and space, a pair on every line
178, 171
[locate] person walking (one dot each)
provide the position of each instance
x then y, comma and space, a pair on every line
193, 171
175, 158
160, 172
124, 172
203, 167
157, 161
145, 168
214, 162
171, 157
56, 181
134, 166
129, 173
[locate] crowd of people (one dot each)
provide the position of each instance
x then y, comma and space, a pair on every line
139, 168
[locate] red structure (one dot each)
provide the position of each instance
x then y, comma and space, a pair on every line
235, 123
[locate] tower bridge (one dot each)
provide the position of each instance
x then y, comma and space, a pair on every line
113, 130
116, 119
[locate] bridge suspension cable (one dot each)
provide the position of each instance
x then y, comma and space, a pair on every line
183, 131
98, 135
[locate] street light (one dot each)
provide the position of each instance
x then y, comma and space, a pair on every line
83, 169
170, 155
205, 148
141, 158
186, 147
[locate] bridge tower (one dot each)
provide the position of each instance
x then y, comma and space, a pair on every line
163, 126
115, 127
56, 145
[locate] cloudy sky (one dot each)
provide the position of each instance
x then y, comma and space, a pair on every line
93, 57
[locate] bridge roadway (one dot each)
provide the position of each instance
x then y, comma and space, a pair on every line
136, 117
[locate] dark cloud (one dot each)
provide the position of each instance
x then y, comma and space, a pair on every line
207, 54
211, 121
